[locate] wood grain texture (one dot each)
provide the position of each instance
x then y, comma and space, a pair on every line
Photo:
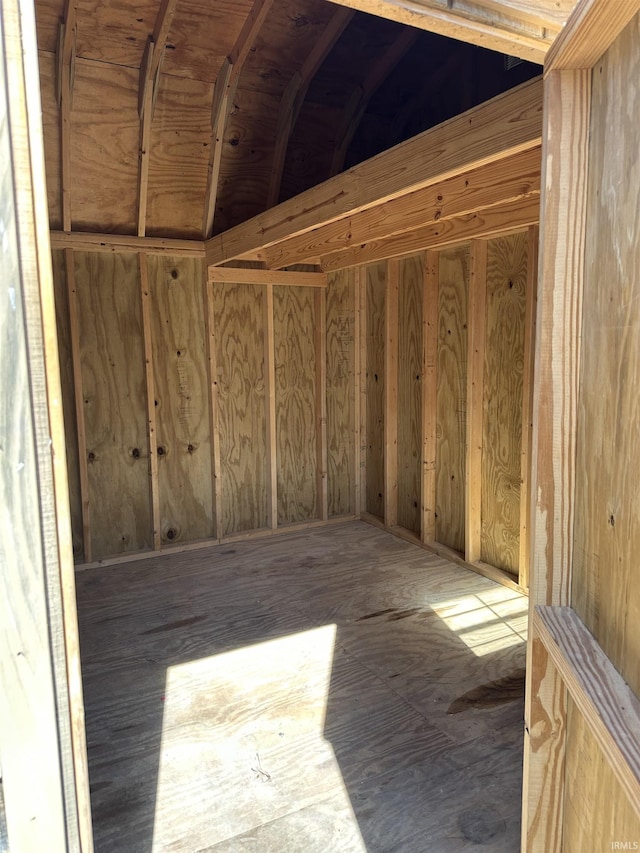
104, 140
507, 261
429, 403
375, 284
555, 406
295, 357
238, 311
51, 132
341, 413
180, 139
410, 392
597, 811
65, 351
113, 381
452, 397
181, 397
390, 429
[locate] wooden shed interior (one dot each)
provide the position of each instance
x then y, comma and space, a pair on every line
298, 265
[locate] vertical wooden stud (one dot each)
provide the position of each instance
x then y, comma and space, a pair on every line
527, 401
566, 109
74, 327
270, 397
357, 391
321, 401
361, 452
429, 394
152, 438
391, 395
475, 377
216, 472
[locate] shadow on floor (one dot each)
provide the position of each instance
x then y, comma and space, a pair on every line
344, 692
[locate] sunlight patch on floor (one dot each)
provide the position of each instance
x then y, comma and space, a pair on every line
487, 622
233, 749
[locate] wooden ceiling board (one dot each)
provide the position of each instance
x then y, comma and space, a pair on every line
179, 156
104, 147
51, 133
48, 14
114, 31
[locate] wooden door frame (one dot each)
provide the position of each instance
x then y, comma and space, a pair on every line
42, 735
552, 670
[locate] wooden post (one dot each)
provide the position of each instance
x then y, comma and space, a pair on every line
429, 394
270, 397
44, 768
391, 395
321, 401
216, 472
527, 404
475, 376
357, 394
567, 99
152, 437
361, 290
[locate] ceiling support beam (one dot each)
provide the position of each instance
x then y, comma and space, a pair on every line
147, 94
295, 93
224, 92
506, 125
512, 32
358, 103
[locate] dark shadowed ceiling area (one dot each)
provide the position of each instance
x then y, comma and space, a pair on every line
182, 118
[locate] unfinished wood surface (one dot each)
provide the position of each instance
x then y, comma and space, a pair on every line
258, 276
238, 311
506, 298
296, 694
527, 406
597, 811
271, 446
65, 352
475, 379
390, 427
590, 30
86, 241
320, 346
361, 389
375, 284
295, 360
104, 140
452, 397
113, 383
341, 393
212, 378
494, 184
503, 126
429, 402
557, 359
600, 694
181, 398
410, 392
150, 383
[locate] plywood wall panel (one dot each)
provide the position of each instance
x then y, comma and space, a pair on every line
507, 259
239, 334
451, 398
51, 133
606, 581
410, 392
182, 397
179, 158
113, 381
293, 324
104, 147
68, 398
340, 391
375, 283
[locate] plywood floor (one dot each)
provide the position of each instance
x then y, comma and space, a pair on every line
335, 690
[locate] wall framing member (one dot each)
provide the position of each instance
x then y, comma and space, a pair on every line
391, 395
592, 28
429, 395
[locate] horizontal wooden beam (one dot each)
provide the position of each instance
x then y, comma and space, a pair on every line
84, 241
508, 33
244, 276
591, 29
507, 218
605, 700
496, 183
505, 125
550, 14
